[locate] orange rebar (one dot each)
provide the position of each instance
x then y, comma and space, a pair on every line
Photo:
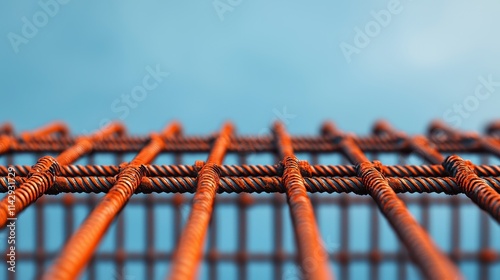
257, 170
464, 171
473, 186
6, 128
418, 143
189, 250
79, 249
85, 144
313, 257
5, 143
57, 128
43, 173
432, 262
453, 175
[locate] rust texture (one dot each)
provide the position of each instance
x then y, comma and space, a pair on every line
78, 250
36, 185
54, 180
420, 246
313, 257
271, 184
189, 250
473, 186
258, 170
57, 128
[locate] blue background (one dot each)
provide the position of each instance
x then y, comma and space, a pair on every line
264, 60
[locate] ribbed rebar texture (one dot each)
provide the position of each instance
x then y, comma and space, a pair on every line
189, 250
313, 257
473, 186
35, 186
53, 180
40, 178
79, 248
433, 262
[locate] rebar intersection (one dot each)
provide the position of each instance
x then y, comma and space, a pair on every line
450, 175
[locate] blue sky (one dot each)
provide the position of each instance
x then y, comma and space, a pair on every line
264, 56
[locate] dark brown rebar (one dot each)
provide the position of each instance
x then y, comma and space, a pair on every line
78, 250
313, 257
432, 262
189, 249
493, 128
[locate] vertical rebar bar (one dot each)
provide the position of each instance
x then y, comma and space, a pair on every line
189, 249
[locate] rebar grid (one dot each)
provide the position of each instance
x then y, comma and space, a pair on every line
450, 175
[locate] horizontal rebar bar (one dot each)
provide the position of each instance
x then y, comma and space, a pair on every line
261, 184
256, 170
241, 144
367, 256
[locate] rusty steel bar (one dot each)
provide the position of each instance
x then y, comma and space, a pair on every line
6, 129
43, 173
431, 261
437, 128
6, 142
467, 256
267, 184
243, 144
473, 186
493, 128
57, 128
257, 170
419, 143
78, 250
464, 171
313, 257
490, 145
189, 249
454, 175
85, 144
